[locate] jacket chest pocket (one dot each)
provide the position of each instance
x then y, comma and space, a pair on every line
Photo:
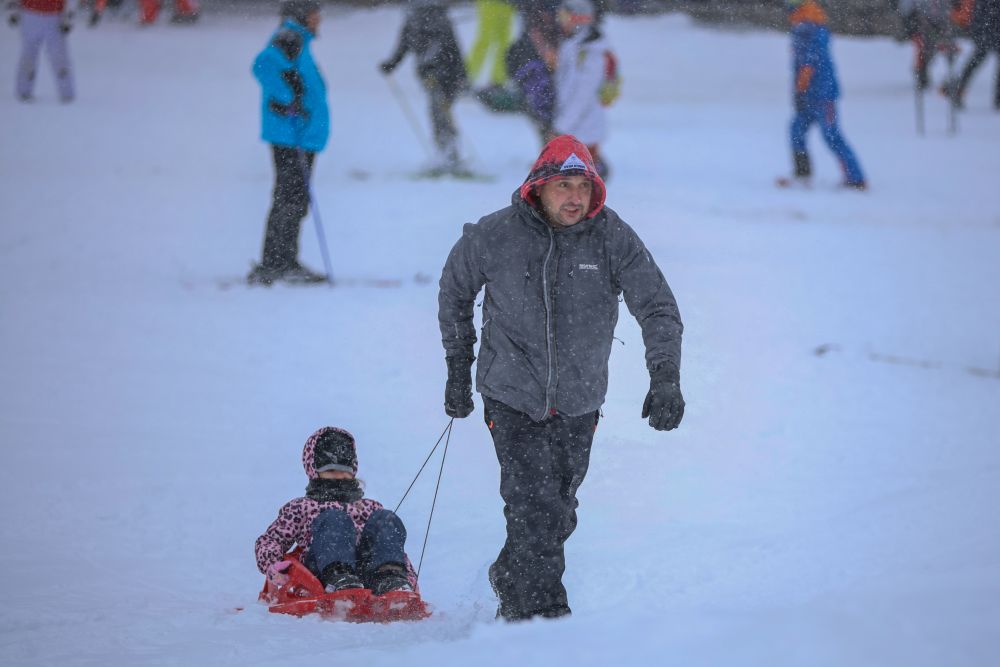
584, 281
517, 288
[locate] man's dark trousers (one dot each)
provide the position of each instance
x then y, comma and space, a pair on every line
542, 464
289, 206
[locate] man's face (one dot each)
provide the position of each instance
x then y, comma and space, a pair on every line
312, 22
566, 200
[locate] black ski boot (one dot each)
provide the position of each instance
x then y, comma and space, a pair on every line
264, 275
297, 274
803, 168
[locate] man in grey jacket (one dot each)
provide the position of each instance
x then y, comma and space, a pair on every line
553, 264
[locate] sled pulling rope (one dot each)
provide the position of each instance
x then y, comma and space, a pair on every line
446, 436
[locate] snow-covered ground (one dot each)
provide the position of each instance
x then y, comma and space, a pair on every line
830, 498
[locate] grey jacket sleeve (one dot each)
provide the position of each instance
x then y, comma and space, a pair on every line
649, 299
461, 280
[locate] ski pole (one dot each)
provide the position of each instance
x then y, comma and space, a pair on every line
919, 99
408, 112
952, 52
317, 219
306, 172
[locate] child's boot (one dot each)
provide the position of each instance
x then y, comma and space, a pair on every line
340, 577
390, 577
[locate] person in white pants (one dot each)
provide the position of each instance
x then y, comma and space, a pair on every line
43, 22
580, 72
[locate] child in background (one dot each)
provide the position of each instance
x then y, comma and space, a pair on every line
349, 541
816, 92
428, 33
531, 61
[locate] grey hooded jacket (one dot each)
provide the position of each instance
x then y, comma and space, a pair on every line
551, 306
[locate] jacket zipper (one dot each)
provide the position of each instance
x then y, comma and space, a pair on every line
549, 342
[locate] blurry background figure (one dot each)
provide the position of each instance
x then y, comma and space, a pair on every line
928, 24
492, 39
185, 11
815, 94
119, 9
43, 22
428, 33
295, 120
985, 32
531, 62
585, 57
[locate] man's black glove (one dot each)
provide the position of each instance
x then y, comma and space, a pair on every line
14, 19
800, 102
664, 404
458, 390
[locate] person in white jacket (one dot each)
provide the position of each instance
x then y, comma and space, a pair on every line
580, 73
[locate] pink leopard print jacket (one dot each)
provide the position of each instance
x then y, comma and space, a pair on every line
294, 523
293, 527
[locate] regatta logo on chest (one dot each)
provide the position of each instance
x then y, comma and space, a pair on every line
589, 267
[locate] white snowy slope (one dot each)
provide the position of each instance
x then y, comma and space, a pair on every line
830, 498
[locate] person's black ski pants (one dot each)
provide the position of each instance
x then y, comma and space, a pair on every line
977, 58
289, 206
445, 132
542, 464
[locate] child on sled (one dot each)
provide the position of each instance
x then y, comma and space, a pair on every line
348, 541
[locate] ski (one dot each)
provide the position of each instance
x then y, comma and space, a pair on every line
362, 175
230, 283
790, 182
457, 175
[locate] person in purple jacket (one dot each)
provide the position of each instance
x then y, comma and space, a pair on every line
349, 541
815, 93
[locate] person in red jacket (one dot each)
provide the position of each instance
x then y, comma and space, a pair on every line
43, 23
185, 11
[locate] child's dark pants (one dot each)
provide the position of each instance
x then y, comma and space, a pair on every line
334, 540
542, 464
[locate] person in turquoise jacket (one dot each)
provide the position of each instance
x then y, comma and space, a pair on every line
295, 120
816, 92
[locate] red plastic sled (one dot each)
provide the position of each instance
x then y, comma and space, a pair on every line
303, 594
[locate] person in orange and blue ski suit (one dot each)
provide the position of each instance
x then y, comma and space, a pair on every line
816, 92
